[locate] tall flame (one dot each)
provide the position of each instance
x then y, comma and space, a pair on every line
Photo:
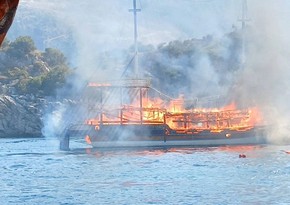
173, 113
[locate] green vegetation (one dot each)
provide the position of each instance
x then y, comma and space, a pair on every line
194, 66
26, 70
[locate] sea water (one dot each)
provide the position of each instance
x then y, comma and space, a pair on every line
34, 171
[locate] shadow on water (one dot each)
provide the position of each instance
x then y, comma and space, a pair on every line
27, 154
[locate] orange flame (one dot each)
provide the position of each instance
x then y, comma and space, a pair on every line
173, 113
88, 139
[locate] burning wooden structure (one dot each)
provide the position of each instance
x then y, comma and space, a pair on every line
131, 113
128, 102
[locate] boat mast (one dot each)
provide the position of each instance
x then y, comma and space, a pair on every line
135, 10
244, 19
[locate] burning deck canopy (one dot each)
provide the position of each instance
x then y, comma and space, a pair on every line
133, 102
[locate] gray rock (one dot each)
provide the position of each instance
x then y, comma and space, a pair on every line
19, 117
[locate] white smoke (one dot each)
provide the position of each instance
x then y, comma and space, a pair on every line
265, 79
103, 29
54, 121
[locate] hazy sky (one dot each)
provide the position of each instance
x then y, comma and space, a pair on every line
108, 23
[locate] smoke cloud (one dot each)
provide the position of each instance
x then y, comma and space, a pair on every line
102, 32
264, 81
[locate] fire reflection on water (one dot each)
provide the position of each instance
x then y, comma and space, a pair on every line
99, 153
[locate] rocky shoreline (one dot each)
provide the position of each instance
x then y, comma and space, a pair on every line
21, 116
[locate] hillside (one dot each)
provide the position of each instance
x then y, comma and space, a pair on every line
26, 70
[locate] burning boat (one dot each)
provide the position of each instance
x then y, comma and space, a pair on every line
126, 115
131, 113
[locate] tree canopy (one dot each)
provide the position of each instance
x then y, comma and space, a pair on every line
31, 71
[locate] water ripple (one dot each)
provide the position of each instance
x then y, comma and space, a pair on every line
35, 172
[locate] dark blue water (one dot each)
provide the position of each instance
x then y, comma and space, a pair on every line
34, 171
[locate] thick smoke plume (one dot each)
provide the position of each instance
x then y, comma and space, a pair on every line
102, 32
264, 81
